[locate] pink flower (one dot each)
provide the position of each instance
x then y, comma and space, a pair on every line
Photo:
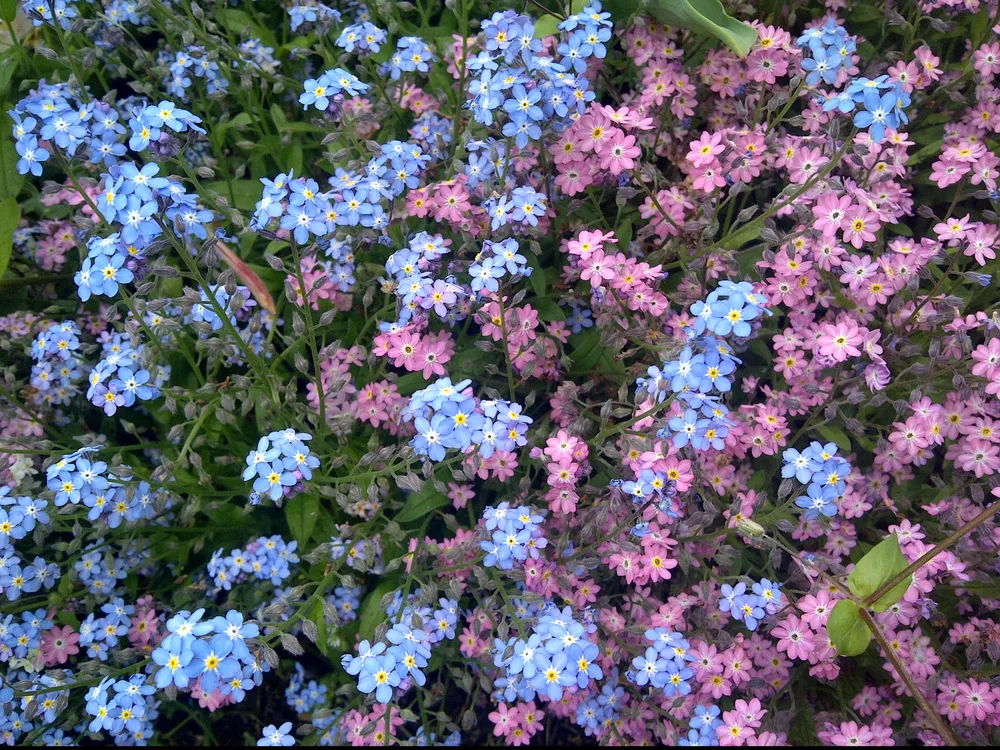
58, 644
597, 269
704, 150
620, 154
840, 341
793, 638
860, 225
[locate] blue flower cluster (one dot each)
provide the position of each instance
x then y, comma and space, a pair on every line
317, 13
191, 61
345, 601
765, 598
101, 575
524, 205
516, 535
214, 652
281, 463
360, 554
206, 311
512, 76
664, 664
265, 559
447, 418
556, 655
399, 663
15, 724
729, 308
702, 727
125, 708
364, 36
353, 199
879, 102
320, 92
596, 712
830, 48
496, 260
119, 379
21, 634
76, 480
824, 471
699, 379
252, 52
412, 55
649, 485
419, 292
58, 366
40, 12
304, 696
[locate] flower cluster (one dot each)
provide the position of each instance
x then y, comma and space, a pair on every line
279, 465
623, 377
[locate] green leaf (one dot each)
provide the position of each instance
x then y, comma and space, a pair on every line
547, 308
9, 60
835, 435
421, 502
372, 614
8, 9
847, 630
316, 614
702, 16
10, 215
875, 569
301, 512
624, 234
546, 26
278, 115
245, 192
10, 180
743, 235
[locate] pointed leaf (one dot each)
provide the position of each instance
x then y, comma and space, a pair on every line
701, 16
420, 503
875, 569
301, 513
247, 275
847, 630
10, 215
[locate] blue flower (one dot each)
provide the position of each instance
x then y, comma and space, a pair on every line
818, 501
32, 155
379, 675
273, 736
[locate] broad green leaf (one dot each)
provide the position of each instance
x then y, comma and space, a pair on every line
546, 26
372, 614
301, 512
315, 614
882, 562
422, 502
702, 16
246, 192
847, 630
10, 215
278, 115
835, 435
8, 9
624, 234
9, 60
548, 310
10, 180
